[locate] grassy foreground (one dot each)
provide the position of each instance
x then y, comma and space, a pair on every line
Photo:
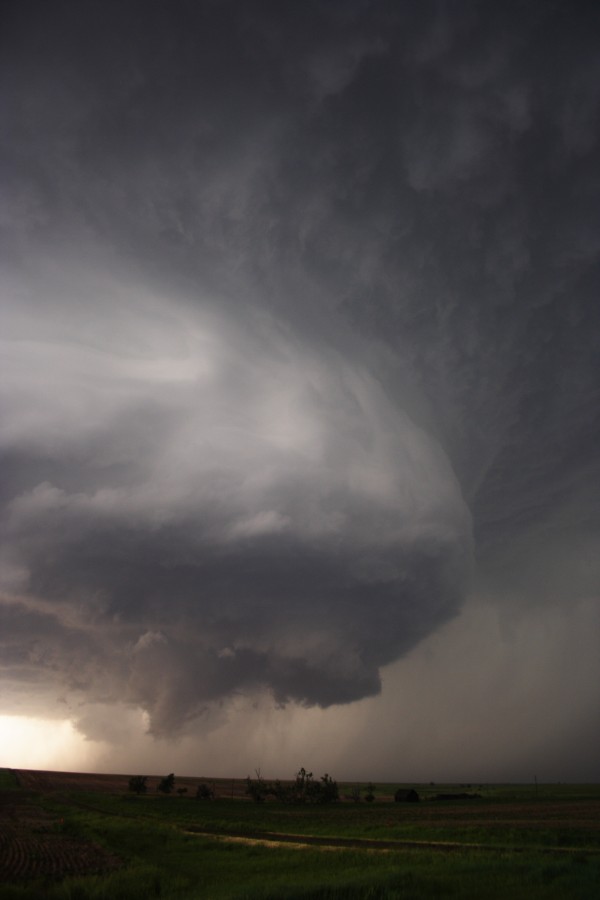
507, 844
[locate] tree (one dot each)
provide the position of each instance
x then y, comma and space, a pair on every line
304, 789
258, 788
137, 784
204, 792
370, 795
355, 794
328, 792
166, 784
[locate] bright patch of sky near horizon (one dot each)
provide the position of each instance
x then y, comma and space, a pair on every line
30, 743
397, 736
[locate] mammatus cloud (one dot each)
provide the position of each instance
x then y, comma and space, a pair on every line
300, 330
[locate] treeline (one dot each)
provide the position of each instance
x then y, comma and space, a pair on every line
303, 789
138, 784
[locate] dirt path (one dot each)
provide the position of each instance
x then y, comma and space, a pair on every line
271, 838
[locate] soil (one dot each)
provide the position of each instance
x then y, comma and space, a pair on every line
33, 845
47, 782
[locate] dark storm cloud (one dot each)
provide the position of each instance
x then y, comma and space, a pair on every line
291, 292
225, 518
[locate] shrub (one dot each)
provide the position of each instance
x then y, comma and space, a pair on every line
305, 789
204, 792
354, 794
166, 784
328, 790
258, 788
137, 784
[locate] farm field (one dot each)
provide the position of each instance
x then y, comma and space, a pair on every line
72, 836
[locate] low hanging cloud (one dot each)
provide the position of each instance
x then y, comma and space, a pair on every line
240, 513
300, 342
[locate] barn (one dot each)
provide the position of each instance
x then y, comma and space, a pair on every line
406, 795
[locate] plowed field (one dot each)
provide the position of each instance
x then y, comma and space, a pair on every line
46, 782
32, 843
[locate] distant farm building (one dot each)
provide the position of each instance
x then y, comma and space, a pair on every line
404, 795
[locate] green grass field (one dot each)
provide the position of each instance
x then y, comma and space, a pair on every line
510, 843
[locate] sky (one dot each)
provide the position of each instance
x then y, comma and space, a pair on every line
300, 388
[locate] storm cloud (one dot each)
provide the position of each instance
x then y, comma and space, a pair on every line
224, 507
300, 341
